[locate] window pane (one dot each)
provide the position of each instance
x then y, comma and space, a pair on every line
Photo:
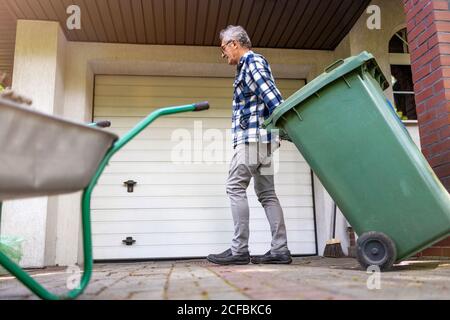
396, 45
402, 82
402, 78
406, 104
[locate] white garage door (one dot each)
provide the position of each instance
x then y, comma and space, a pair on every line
179, 207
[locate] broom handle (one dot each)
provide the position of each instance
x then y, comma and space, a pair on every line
334, 220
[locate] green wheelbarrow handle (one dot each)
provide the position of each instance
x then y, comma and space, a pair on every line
100, 124
32, 284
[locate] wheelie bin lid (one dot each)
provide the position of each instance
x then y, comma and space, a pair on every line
332, 73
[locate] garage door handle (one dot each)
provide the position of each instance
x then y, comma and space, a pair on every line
130, 185
201, 106
129, 241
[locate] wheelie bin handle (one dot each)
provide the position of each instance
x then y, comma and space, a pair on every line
334, 65
201, 106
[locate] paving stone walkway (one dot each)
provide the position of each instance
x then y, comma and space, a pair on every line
306, 278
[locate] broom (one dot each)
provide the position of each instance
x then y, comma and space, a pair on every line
333, 247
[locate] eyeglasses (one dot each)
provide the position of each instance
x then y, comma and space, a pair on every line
222, 48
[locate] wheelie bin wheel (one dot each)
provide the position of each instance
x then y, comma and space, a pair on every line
376, 249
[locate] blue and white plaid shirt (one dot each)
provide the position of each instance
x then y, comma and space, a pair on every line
255, 98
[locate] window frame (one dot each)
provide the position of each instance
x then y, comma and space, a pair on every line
401, 59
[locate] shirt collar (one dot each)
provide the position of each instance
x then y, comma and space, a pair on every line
241, 61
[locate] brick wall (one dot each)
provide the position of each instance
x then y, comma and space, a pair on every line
428, 24
441, 249
352, 242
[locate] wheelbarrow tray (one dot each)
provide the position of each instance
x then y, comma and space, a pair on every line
67, 155
42, 154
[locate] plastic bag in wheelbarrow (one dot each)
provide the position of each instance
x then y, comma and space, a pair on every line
42, 154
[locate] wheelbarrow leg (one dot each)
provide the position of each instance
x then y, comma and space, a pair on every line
35, 286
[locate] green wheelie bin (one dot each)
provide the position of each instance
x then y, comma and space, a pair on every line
353, 140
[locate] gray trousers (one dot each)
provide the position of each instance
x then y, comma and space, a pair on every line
254, 160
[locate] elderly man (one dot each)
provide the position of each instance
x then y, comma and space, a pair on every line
255, 98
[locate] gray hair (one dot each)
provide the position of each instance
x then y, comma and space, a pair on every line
236, 33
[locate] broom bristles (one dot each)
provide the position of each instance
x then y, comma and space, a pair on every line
333, 249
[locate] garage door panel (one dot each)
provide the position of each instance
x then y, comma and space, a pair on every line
185, 250
165, 214
162, 81
207, 144
160, 155
192, 82
194, 178
118, 102
150, 91
179, 207
158, 102
157, 167
142, 96
145, 111
190, 190
188, 202
151, 134
178, 122
207, 226
115, 240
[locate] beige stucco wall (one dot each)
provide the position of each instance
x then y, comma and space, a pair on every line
38, 72
59, 76
377, 41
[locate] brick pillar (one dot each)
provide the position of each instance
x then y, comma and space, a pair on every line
352, 242
428, 24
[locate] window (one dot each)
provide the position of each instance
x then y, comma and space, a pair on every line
403, 87
402, 83
399, 42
